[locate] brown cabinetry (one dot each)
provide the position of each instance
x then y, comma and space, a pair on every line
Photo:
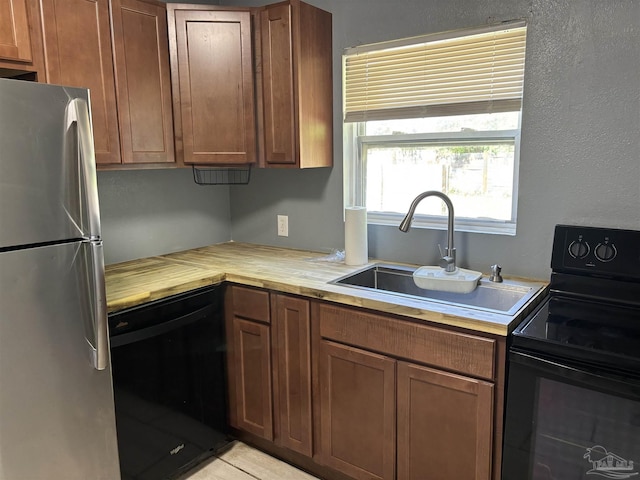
213, 84
253, 377
249, 360
358, 412
444, 420
348, 393
445, 424
269, 362
20, 40
81, 52
278, 114
143, 79
15, 38
77, 40
297, 89
292, 373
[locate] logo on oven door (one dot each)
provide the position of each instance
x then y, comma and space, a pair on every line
608, 464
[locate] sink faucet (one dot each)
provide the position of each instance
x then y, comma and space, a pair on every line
448, 260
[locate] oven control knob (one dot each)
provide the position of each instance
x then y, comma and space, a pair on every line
605, 252
579, 249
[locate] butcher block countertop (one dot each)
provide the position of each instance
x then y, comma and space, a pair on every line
285, 270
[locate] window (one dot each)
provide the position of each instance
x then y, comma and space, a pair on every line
438, 112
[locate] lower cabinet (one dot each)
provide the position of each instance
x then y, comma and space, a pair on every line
269, 366
291, 349
445, 425
247, 321
253, 377
353, 394
358, 412
443, 421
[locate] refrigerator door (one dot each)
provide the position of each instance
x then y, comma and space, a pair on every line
48, 188
57, 416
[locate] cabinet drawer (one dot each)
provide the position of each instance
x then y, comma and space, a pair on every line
446, 349
250, 303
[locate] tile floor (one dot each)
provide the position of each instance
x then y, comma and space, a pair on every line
242, 462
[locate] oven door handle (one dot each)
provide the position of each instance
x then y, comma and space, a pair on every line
160, 328
546, 365
559, 368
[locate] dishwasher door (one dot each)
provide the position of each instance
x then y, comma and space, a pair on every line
169, 382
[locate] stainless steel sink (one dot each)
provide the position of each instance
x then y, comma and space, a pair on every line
504, 298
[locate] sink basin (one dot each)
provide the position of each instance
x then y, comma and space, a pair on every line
504, 298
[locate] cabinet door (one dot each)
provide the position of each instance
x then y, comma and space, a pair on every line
213, 85
77, 41
292, 373
444, 425
252, 366
357, 412
15, 40
297, 85
141, 55
277, 85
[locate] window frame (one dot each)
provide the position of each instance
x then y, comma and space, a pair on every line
354, 140
355, 177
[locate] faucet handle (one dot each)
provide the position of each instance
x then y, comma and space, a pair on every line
446, 262
448, 259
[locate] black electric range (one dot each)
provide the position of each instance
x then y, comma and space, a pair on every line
592, 313
573, 389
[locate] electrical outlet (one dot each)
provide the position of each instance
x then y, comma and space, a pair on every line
283, 226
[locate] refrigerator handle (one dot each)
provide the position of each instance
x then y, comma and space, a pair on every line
78, 112
99, 345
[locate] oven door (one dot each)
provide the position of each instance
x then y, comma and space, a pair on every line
567, 423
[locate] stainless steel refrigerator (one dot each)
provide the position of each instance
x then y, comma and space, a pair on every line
57, 416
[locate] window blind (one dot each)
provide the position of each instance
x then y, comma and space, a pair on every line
454, 73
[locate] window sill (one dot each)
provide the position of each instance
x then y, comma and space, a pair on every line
492, 227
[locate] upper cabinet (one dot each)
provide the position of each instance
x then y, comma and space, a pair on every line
20, 42
248, 94
128, 76
213, 84
77, 39
15, 39
180, 84
295, 65
143, 80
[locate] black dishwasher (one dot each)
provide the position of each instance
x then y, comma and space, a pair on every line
169, 381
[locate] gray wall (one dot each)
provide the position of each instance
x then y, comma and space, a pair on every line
151, 212
580, 155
